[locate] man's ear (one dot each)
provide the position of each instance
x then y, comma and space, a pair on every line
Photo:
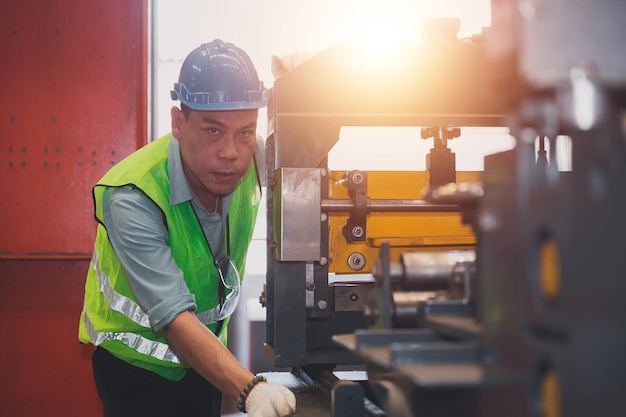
178, 118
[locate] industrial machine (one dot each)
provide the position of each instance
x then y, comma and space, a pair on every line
485, 295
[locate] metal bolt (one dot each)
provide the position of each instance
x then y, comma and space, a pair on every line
357, 178
321, 304
357, 231
323, 217
310, 286
323, 260
356, 261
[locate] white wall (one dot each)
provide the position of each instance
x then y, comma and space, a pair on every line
281, 27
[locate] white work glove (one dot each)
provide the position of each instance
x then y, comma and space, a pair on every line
270, 400
284, 64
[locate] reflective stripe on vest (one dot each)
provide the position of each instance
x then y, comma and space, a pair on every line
157, 350
133, 311
117, 301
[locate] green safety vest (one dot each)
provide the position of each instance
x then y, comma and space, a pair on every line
111, 316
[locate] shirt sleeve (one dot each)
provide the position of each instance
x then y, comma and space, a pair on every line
139, 238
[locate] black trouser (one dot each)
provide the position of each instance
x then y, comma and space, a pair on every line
126, 390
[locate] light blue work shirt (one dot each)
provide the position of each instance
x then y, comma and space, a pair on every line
139, 237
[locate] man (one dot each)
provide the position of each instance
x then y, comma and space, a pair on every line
175, 220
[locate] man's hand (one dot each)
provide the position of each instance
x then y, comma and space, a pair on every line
270, 400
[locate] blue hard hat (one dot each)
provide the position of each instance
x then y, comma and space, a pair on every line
219, 76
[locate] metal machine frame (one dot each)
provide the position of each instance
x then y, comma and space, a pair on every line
535, 324
307, 108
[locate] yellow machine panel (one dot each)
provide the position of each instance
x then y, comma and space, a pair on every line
403, 231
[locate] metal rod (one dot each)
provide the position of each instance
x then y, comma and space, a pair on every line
385, 205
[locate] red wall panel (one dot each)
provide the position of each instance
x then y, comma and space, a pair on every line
73, 80
45, 370
72, 103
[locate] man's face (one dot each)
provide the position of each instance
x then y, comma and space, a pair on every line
216, 147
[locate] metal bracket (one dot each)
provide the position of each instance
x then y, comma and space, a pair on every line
355, 229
